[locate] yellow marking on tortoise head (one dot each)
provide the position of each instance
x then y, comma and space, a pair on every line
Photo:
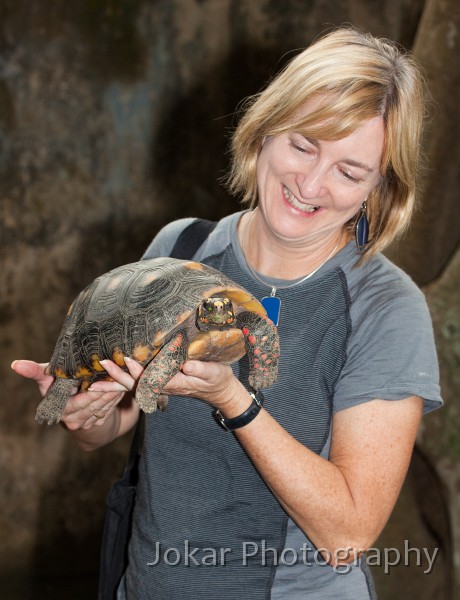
95, 364
142, 353
118, 357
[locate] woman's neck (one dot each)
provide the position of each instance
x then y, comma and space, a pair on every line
271, 256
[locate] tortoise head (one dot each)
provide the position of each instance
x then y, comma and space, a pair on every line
215, 313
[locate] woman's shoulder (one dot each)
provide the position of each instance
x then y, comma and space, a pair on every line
380, 282
163, 242
391, 352
385, 303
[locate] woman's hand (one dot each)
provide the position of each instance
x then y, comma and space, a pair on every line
35, 371
93, 406
96, 405
209, 381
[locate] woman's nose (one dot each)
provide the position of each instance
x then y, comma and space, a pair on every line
311, 181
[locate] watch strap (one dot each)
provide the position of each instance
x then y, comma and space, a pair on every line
245, 418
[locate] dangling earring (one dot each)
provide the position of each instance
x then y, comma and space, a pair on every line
362, 228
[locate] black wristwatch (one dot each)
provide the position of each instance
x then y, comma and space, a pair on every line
249, 415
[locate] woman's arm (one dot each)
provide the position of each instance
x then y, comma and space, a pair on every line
109, 399
343, 503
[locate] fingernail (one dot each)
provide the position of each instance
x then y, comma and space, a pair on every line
103, 362
127, 358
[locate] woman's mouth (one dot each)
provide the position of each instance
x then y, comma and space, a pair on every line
309, 208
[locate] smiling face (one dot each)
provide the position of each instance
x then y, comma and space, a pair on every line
311, 188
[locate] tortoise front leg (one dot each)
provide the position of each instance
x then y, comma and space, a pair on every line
262, 347
159, 371
52, 406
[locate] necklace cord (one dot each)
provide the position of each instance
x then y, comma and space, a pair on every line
289, 285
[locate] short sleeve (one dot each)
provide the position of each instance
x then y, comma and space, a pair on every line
391, 351
163, 243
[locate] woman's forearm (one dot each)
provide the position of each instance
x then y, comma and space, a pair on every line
341, 503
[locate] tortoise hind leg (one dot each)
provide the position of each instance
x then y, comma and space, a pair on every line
159, 371
262, 347
52, 406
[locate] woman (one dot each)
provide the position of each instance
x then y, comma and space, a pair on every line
285, 506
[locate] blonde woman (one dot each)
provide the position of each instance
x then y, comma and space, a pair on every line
286, 505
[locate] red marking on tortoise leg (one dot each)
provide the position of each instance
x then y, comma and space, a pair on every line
159, 371
262, 346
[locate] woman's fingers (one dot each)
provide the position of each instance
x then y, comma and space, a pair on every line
134, 367
33, 370
90, 408
205, 380
122, 381
93, 406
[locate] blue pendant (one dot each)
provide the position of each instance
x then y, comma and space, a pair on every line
272, 305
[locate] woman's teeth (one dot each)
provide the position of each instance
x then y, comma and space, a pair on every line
296, 204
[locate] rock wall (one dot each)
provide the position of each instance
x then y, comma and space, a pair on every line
114, 119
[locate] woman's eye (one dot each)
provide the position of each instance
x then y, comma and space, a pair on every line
300, 149
350, 177
305, 149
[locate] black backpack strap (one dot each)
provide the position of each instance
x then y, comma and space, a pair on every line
121, 497
188, 242
191, 238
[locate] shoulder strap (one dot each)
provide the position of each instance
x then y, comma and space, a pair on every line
188, 242
191, 238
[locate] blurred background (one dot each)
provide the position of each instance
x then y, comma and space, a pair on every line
115, 117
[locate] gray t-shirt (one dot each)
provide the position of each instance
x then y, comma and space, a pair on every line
205, 524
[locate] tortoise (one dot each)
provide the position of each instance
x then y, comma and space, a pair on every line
160, 312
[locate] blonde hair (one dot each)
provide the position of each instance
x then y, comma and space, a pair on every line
358, 77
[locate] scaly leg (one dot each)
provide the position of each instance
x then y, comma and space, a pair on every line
159, 371
52, 406
262, 346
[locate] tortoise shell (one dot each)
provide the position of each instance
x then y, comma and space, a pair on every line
137, 309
